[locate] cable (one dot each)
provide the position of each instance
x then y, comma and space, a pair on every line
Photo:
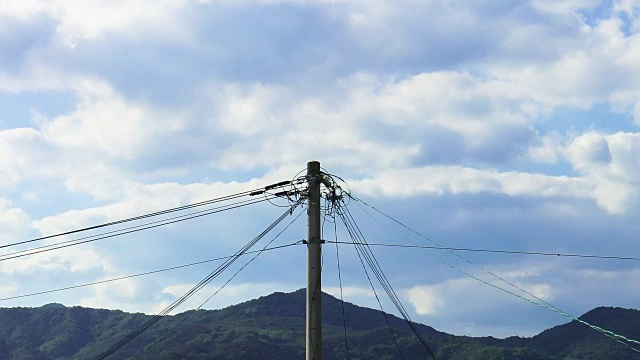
201, 203
361, 245
145, 273
377, 270
128, 230
540, 302
161, 212
375, 293
193, 290
344, 317
162, 222
258, 252
608, 257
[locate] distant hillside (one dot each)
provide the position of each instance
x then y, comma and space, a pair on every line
272, 327
576, 341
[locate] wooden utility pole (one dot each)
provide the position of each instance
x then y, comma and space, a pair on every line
314, 264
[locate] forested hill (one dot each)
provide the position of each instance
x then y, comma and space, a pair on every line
272, 327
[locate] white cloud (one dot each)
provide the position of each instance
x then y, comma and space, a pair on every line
18, 151
132, 295
105, 123
144, 199
453, 306
63, 261
438, 98
290, 131
459, 305
425, 300
452, 296
438, 180
6, 291
609, 163
292, 127
549, 148
90, 19
563, 7
588, 150
21, 9
15, 222
86, 149
108, 124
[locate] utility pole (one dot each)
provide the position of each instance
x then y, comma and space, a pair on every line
314, 264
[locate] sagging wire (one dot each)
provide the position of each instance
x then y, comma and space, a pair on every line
258, 252
193, 290
344, 317
538, 301
335, 203
127, 230
361, 246
140, 217
144, 273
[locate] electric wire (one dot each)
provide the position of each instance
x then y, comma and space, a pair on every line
354, 228
538, 301
145, 273
370, 258
128, 230
344, 317
162, 221
258, 253
361, 245
196, 288
139, 217
377, 270
214, 274
375, 293
498, 251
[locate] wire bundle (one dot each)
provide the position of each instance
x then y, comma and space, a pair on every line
214, 274
532, 298
364, 252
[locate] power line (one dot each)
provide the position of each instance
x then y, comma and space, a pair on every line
146, 273
207, 202
361, 246
375, 293
128, 230
344, 318
258, 253
156, 213
538, 301
154, 319
610, 257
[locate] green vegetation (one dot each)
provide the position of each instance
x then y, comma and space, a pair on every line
272, 327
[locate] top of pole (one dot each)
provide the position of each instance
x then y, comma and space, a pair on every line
313, 166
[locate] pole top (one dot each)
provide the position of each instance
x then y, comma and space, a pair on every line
313, 166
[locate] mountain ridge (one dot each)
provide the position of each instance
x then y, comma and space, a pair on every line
272, 327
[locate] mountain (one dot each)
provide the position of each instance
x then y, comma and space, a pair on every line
53, 306
577, 341
272, 327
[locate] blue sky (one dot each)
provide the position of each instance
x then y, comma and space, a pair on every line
502, 125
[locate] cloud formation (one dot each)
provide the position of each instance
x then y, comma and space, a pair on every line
510, 124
